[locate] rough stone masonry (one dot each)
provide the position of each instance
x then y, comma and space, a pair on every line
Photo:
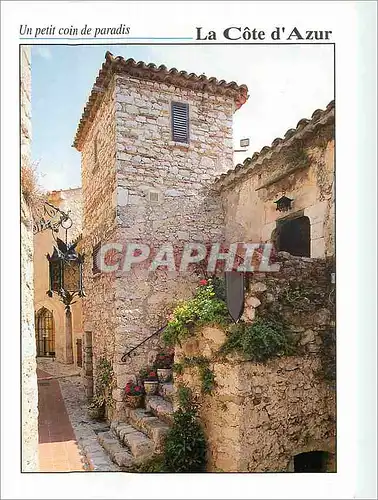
29, 367
141, 186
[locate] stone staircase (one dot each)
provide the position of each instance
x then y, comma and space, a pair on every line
142, 436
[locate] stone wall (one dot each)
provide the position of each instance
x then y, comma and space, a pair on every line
261, 415
99, 225
303, 172
133, 129
186, 209
29, 375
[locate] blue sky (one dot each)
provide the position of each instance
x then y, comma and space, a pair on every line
286, 83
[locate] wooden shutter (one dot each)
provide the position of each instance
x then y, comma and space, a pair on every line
180, 122
95, 268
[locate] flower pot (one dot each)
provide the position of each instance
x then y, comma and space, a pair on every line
134, 401
151, 387
164, 374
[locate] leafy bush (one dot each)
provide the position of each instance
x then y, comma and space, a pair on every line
185, 444
219, 286
204, 308
258, 341
105, 382
155, 464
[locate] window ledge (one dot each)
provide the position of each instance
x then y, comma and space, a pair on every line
184, 145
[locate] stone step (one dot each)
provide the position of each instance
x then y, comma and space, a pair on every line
167, 391
141, 447
118, 453
151, 425
160, 407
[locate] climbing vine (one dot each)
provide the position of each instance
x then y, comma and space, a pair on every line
206, 374
104, 384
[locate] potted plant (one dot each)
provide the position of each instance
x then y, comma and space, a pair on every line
133, 395
96, 410
163, 364
150, 381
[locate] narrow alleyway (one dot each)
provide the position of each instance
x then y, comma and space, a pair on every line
67, 436
58, 449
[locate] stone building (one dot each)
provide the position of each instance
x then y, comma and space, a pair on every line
143, 183
29, 375
50, 317
157, 167
299, 167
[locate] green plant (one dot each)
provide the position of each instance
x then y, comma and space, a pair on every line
204, 308
178, 368
97, 402
164, 360
147, 374
155, 464
185, 444
133, 389
184, 396
105, 382
205, 372
258, 341
219, 287
207, 379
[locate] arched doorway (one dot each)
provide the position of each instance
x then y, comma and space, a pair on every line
44, 332
293, 236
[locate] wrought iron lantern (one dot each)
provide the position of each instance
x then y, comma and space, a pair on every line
65, 272
65, 264
283, 204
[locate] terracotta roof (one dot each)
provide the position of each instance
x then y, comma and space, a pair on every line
304, 128
113, 65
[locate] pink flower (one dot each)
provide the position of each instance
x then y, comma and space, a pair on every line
203, 282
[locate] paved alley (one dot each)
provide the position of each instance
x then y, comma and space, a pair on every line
67, 436
58, 449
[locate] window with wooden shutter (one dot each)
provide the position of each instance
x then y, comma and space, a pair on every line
180, 122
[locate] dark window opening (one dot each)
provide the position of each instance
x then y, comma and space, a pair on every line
313, 461
180, 122
95, 267
293, 236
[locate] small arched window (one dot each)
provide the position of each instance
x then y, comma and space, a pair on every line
45, 335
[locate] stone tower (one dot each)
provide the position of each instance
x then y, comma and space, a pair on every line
152, 141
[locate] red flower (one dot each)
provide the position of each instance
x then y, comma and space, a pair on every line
203, 282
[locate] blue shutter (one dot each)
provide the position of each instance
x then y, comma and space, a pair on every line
180, 122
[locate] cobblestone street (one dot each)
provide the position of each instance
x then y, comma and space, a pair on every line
67, 436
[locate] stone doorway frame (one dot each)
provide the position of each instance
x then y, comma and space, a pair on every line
44, 322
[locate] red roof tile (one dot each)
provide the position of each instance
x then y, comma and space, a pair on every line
304, 127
